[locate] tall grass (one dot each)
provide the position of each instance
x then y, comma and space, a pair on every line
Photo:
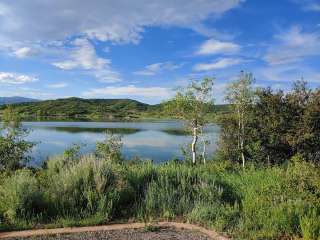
255, 203
21, 199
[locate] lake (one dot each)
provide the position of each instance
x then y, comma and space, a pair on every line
156, 140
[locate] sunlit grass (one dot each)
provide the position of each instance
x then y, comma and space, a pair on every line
255, 203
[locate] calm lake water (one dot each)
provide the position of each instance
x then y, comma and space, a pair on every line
158, 140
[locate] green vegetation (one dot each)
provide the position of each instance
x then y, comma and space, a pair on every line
272, 126
264, 183
241, 96
94, 130
192, 105
92, 109
13, 147
259, 203
83, 108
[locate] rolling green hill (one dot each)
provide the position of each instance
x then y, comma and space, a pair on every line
82, 108
104, 109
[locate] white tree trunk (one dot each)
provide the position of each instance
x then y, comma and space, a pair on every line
204, 152
194, 143
242, 140
239, 129
242, 154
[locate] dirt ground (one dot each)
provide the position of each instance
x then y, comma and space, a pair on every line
126, 234
120, 231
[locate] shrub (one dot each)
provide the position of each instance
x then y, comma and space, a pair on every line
110, 149
21, 198
138, 176
84, 188
14, 148
72, 153
310, 226
176, 189
91, 186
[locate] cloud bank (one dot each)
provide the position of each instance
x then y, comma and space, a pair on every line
105, 20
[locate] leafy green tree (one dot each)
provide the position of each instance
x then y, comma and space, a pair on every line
192, 104
228, 137
287, 124
269, 123
241, 96
13, 147
110, 149
304, 137
72, 153
271, 127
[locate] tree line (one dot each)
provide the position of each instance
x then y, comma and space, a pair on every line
262, 125
269, 126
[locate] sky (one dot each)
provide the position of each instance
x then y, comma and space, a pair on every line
145, 49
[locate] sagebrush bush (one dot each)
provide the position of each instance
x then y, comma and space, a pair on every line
110, 149
83, 188
21, 197
176, 189
223, 217
310, 225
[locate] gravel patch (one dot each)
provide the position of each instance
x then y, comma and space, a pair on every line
126, 234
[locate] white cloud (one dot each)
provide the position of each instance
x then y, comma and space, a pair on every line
213, 46
221, 63
288, 73
29, 92
129, 91
308, 5
313, 7
46, 27
57, 85
83, 56
156, 68
117, 21
293, 46
24, 52
14, 78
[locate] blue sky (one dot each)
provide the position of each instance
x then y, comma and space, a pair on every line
143, 49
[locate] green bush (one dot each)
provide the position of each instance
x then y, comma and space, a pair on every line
310, 226
138, 176
110, 149
83, 188
14, 149
176, 189
21, 198
223, 217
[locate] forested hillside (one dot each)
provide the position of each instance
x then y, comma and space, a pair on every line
92, 109
87, 108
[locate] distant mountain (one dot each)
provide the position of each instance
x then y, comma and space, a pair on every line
14, 100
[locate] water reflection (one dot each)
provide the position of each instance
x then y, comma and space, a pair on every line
92, 130
159, 141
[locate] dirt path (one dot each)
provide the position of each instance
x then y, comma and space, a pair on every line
168, 230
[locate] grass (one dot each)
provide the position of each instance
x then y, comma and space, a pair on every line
255, 203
